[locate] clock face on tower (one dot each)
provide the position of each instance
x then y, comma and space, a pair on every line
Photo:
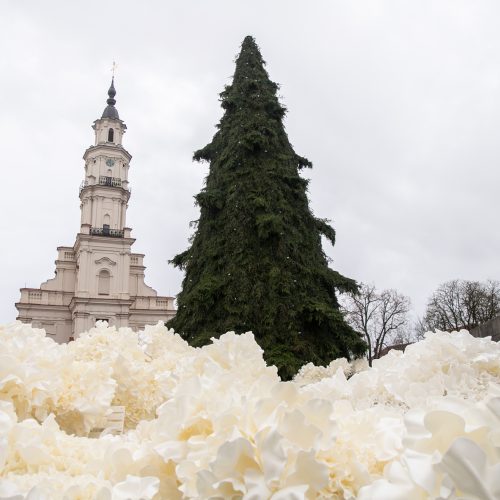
110, 162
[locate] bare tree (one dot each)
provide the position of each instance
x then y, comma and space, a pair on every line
462, 304
420, 328
381, 316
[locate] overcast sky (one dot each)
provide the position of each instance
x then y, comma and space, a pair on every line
396, 103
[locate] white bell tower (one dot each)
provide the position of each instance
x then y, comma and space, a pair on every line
104, 193
99, 278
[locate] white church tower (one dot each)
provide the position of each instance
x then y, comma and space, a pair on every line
98, 278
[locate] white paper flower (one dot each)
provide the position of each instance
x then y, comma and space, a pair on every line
216, 422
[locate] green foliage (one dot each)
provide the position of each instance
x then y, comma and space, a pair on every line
256, 261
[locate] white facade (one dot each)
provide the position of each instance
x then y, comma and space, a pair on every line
98, 277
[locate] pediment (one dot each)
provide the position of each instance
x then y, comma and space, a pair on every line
105, 260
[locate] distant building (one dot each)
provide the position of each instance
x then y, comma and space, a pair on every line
98, 277
489, 329
395, 347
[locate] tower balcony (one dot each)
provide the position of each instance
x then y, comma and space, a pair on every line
110, 181
106, 231
105, 181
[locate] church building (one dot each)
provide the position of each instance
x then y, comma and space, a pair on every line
98, 278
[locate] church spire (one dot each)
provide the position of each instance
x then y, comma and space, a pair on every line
110, 110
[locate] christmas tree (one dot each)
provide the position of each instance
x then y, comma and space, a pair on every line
256, 262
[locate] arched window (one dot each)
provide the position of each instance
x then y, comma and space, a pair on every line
111, 135
103, 285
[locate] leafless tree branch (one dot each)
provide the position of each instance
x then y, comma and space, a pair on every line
380, 316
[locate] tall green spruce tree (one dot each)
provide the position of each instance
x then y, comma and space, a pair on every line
256, 261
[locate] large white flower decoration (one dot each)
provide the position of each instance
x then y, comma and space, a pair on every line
216, 422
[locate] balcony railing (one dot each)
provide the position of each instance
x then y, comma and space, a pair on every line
106, 231
110, 181
104, 180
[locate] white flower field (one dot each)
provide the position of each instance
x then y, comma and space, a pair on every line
216, 422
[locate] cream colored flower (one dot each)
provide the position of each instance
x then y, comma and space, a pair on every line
216, 422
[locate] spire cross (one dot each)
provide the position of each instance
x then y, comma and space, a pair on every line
113, 68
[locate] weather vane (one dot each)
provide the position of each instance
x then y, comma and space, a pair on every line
113, 68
